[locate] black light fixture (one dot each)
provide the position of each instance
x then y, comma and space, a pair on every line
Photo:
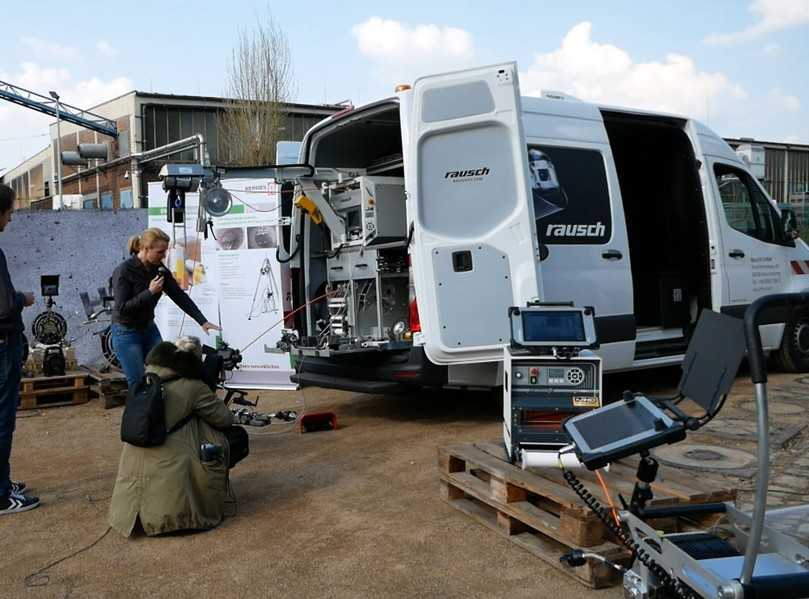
216, 201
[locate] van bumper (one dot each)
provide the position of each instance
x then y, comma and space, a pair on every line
382, 372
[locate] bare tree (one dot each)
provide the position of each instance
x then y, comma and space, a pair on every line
260, 82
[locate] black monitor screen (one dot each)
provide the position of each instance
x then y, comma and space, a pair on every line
557, 325
616, 424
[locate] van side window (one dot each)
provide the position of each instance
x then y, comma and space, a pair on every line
571, 197
746, 208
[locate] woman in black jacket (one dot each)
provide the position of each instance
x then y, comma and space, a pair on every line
137, 285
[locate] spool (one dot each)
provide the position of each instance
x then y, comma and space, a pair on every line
548, 459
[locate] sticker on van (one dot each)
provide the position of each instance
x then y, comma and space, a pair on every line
570, 193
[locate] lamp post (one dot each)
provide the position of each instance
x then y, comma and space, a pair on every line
55, 96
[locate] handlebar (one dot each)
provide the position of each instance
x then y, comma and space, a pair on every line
765, 310
98, 313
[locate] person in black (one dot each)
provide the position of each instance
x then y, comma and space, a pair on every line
12, 496
137, 285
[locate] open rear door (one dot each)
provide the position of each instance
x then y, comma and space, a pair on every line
474, 251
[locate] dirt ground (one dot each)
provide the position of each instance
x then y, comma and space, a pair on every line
350, 513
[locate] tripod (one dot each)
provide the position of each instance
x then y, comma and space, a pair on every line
264, 297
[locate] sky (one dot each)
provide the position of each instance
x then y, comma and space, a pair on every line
740, 66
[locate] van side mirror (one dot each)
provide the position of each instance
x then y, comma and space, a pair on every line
789, 222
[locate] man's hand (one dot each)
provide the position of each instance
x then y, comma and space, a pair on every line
28, 299
156, 285
209, 326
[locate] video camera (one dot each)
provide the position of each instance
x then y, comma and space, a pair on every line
215, 366
219, 361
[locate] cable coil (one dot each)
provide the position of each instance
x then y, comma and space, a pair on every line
637, 551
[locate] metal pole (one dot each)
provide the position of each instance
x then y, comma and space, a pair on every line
762, 480
59, 152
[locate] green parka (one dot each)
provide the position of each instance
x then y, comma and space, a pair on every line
168, 487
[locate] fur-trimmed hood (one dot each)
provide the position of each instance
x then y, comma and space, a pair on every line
185, 364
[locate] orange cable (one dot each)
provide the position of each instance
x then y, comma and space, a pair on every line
608, 495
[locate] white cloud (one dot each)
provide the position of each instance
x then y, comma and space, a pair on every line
51, 50
18, 122
772, 49
793, 139
782, 101
401, 52
607, 74
105, 48
772, 16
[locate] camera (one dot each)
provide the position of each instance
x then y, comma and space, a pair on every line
218, 362
210, 453
231, 357
177, 180
182, 177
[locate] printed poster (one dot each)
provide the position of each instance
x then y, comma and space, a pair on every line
233, 276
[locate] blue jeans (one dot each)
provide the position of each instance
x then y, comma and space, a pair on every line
131, 347
10, 373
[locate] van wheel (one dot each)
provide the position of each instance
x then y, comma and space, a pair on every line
793, 356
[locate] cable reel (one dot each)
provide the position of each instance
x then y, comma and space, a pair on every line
49, 328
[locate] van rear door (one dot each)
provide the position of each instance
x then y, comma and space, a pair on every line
474, 250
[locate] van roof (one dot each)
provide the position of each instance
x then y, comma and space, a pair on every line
712, 144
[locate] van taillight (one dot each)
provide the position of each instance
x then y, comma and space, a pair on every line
413, 312
413, 307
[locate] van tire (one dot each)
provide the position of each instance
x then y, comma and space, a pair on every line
793, 355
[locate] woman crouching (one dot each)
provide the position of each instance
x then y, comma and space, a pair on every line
169, 488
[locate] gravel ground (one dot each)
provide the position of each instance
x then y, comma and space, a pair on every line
350, 513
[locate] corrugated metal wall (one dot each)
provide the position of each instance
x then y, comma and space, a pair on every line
798, 172
774, 172
795, 167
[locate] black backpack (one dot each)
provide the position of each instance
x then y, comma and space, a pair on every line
144, 420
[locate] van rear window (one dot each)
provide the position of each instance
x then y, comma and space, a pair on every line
571, 197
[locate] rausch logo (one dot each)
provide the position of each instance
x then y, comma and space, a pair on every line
467, 175
596, 230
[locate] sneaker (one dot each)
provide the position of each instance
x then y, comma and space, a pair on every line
18, 487
12, 504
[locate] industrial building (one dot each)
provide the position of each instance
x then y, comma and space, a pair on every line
783, 168
148, 120
144, 121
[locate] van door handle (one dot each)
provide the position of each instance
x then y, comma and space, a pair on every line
738, 254
612, 255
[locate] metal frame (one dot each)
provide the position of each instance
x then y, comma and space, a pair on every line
57, 109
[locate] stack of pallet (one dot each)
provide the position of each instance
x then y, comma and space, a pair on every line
110, 387
51, 391
539, 511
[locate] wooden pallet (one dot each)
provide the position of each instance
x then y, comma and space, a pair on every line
52, 391
110, 387
538, 511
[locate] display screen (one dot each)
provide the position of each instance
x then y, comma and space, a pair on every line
556, 373
551, 326
616, 424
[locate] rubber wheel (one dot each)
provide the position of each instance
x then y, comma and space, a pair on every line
793, 355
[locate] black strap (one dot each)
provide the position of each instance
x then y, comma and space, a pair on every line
182, 421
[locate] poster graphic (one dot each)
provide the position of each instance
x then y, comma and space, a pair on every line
234, 278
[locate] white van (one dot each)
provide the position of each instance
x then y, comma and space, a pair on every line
430, 213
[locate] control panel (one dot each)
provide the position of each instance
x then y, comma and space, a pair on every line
547, 376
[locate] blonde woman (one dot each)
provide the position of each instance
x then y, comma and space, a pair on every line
137, 285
